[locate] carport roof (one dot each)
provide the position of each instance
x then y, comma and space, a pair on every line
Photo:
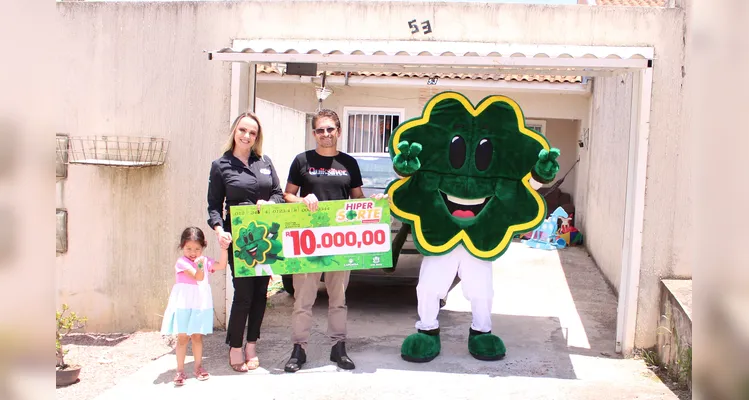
273, 70
440, 57
632, 3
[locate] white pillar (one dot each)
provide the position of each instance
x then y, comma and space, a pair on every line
251, 86
239, 93
634, 213
243, 85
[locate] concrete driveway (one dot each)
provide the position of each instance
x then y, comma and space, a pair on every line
554, 311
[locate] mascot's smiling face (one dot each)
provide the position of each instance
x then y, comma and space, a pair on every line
473, 183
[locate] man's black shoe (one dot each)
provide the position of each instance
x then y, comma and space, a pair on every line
338, 354
298, 358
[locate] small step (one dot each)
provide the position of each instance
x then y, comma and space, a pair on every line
675, 329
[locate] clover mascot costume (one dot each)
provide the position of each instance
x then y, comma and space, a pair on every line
467, 186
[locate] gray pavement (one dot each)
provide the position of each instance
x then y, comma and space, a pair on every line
553, 309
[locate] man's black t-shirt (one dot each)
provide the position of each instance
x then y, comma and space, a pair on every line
329, 178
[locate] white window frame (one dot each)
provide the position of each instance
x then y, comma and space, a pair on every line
365, 110
537, 122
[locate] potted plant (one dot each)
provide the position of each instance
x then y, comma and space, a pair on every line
66, 374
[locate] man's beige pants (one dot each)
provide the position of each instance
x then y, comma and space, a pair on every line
305, 293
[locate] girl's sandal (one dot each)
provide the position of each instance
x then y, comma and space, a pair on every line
201, 374
242, 367
179, 379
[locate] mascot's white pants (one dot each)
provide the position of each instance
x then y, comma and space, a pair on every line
436, 276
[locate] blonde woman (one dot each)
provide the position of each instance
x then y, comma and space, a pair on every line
242, 175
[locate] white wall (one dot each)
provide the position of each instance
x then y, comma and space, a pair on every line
283, 130
139, 69
606, 178
563, 134
302, 97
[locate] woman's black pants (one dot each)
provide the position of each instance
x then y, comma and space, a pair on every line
247, 307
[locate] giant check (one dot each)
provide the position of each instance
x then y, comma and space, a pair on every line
284, 239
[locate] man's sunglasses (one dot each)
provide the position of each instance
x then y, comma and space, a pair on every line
320, 131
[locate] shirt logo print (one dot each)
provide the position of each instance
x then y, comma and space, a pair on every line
327, 172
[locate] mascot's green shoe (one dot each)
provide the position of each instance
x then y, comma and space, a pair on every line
421, 347
485, 347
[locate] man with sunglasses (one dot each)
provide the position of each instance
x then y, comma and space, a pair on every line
319, 175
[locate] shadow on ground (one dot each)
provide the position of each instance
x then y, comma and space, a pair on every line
380, 318
85, 339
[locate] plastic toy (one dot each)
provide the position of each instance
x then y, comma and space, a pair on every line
545, 236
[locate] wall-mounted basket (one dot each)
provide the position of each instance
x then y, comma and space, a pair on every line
114, 151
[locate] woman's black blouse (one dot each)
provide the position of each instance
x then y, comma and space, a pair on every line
232, 183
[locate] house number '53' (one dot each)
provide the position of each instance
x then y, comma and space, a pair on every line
426, 26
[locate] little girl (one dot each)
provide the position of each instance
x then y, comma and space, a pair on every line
189, 313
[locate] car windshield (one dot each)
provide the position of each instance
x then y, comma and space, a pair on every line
376, 172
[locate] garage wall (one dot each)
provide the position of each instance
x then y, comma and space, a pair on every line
302, 97
563, 134
605, 180
282, 127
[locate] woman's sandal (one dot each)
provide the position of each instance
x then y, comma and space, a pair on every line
237, 367
179, 379
253, 363
201, 374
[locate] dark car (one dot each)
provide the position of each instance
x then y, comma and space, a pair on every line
377, 172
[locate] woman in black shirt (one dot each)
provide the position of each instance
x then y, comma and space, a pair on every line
243, 175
